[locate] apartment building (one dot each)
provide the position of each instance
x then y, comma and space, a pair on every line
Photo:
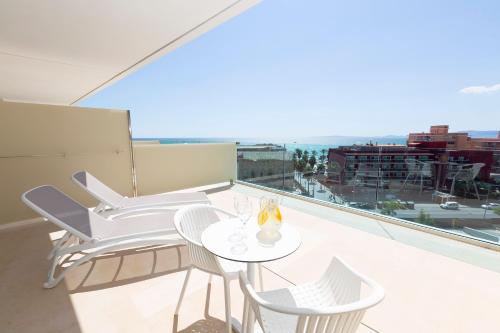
372, 161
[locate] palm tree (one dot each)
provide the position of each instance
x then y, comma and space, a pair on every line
297, 156
496, 210
322, 157
298, 153
312, 161
301, 165
305, 155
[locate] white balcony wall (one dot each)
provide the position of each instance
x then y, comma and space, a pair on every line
163, 168
45, 144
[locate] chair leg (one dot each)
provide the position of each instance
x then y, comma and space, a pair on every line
58, 245
227, 298
183, 290
51, 280
261, 280
244, 321
207, 300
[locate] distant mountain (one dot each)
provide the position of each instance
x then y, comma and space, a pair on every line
481, 134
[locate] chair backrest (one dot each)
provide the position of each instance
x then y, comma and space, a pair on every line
61, 210
339, 292
190, 223
97, 189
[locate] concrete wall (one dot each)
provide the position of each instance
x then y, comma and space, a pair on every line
162, 168
45, 144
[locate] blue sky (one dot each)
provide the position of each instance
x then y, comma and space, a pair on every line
322, 67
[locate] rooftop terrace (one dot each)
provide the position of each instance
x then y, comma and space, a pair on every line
432, 284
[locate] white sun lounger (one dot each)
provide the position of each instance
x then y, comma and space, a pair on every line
91, 234
110, 199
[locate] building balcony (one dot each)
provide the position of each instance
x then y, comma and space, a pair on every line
440, 269
433, 284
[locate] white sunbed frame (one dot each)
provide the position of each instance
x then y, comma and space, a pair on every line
111, 202
74, 241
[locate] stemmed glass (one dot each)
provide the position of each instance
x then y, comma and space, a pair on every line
243, 208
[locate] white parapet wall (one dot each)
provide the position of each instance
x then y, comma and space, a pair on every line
171, 167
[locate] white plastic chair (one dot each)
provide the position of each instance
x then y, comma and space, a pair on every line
91, 234
333, 304
190, 223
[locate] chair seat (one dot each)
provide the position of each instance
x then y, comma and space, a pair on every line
309, 295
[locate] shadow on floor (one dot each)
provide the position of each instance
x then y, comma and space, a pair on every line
208, 324
127, 266
25, 305
219, 189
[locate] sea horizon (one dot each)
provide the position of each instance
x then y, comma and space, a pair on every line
309, 143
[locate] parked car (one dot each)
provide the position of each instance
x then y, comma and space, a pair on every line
491, 205
449, 205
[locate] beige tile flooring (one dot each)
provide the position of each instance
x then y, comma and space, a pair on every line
137, 290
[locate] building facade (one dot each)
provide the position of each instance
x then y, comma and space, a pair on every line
371, 165
439, 135
367, 163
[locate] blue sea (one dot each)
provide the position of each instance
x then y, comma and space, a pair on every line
309, 143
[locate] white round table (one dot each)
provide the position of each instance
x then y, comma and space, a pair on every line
216, 240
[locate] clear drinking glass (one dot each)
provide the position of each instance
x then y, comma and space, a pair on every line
243, 208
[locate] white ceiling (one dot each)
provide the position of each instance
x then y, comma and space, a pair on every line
60, 51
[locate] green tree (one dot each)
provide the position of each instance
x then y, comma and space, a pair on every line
312, 161
298, 153
322, 157
305, 155
305, 158
321, 167
389, 207
297, 156
301, 165
424, 218
496, 210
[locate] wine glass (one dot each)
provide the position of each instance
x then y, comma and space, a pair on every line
243, 208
